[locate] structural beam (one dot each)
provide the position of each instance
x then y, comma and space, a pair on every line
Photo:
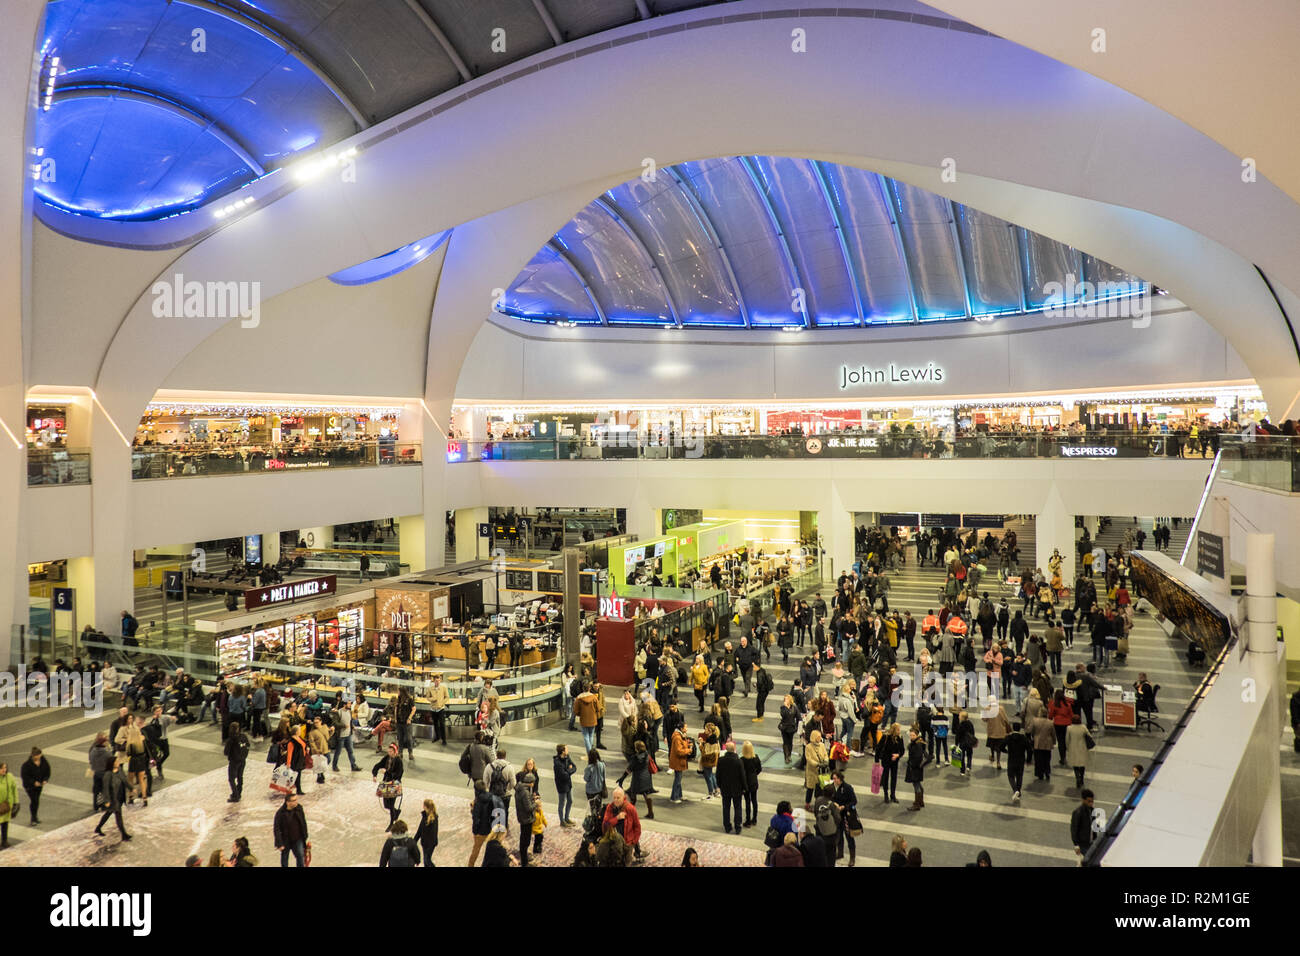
746, 163
549, 21
609, 208
706, 223
891, 203
1022, 263
436, 32
961, 256
839, 234
642, 10
577, 274
226, 13
101, 91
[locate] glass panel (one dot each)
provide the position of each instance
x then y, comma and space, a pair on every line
1109, 280
615, 268
800, 206
687, 258
1047, 261
992, 261
547, 289
927, 234
873, 249
738, 214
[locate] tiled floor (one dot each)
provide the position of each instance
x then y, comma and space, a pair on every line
962, 815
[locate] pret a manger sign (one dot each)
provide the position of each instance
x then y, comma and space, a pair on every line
891, 374
292, 591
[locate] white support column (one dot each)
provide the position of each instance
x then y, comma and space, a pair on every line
836, 525
18, 43
270, 547
1054, 530
468, 544
111, 496
1261, 636
411, 544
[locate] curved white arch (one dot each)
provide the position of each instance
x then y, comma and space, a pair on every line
917, 94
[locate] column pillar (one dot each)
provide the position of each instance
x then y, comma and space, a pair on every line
270, 547
468, 545
836, 525
112, 525
1054, 530
18, 68
411, 550
1266, 669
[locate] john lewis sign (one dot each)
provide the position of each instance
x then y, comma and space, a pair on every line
891, 374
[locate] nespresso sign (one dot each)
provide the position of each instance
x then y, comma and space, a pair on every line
292, 591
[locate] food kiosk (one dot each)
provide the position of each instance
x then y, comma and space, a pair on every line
638, 560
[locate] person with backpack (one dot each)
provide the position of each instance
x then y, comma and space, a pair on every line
426, 833
499, 776
236, 750
399, 850
564, 771
827, 819
525, 812
846, 802
483, 817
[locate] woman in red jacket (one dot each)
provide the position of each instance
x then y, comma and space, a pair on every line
1061, 712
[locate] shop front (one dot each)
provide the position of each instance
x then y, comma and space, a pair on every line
642, 562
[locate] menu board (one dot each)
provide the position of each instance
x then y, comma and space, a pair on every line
517, 581
587, 582
304, 638
550, 582
351, 628
441, 607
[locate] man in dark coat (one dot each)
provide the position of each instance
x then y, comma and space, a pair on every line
1017, 747
746, 655
290, 831
764, 685
1081, 824
733, 783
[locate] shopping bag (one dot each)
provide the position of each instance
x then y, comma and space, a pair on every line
282, 779
320, 763
877, 772
388, 789
956, 759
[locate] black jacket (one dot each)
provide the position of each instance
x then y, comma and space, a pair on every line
1081, 827
764, 684
392, 767
31, 773
481, 813
732, 779
672, 721
813, 849
789, 722
1017, 747
426, 834
290, 826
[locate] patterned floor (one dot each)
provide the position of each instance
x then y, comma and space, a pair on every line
345, 822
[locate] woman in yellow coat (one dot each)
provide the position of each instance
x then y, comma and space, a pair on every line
815, 758
700, 679
8, 801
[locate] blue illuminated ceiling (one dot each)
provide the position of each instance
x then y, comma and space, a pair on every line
150, 108
772, 242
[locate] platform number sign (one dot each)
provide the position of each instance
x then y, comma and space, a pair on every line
484, 530
63, 599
